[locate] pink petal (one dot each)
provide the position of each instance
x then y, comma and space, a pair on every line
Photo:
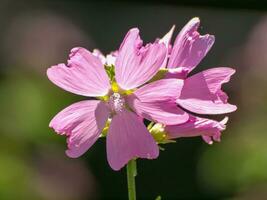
180, 73
196, 126
202, 92
190, 47
166, 40
207, 139
111, 58
99, 55
156, 102
82, 123
128, 138
135, 65
83, 75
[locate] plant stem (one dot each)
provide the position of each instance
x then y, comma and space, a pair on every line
131, 174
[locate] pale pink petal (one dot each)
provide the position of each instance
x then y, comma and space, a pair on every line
83, 75
166, 40
128, 138
207, 139
135, 65
196, 126
111, 58
202, 92
99, 54
156, 102
216, 135
190, 47
82, 123
180, 73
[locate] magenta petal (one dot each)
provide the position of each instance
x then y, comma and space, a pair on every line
128, 138
82, 123
135, 64
196, 126
83, 75
202, 92
156, 102
190, 47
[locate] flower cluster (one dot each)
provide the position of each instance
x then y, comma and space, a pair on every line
139, 82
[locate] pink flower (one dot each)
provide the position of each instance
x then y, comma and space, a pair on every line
125, 104
201, 93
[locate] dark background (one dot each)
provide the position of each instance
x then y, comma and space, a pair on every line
37, 34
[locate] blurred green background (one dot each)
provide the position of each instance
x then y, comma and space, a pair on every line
38, 34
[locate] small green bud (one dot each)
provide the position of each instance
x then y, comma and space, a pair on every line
159, 134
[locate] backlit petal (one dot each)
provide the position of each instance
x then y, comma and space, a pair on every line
190, 47
83, 75
166, 40
135, 65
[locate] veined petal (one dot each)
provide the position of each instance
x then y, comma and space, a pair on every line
82, 123
196, 126
135, 65
156, 102
160, 90
128, 138
202, 92
190, 47
83, 75
166, 40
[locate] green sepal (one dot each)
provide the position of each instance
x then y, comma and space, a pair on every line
110, 69
167, 141
105, 129
159, 75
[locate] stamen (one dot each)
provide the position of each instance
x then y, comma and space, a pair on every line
116, 102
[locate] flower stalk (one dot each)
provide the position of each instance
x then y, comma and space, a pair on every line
131, 174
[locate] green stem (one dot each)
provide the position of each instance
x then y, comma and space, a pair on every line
131, 174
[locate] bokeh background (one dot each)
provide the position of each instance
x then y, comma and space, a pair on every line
37, 34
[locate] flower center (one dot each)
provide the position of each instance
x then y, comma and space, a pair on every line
116, 102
